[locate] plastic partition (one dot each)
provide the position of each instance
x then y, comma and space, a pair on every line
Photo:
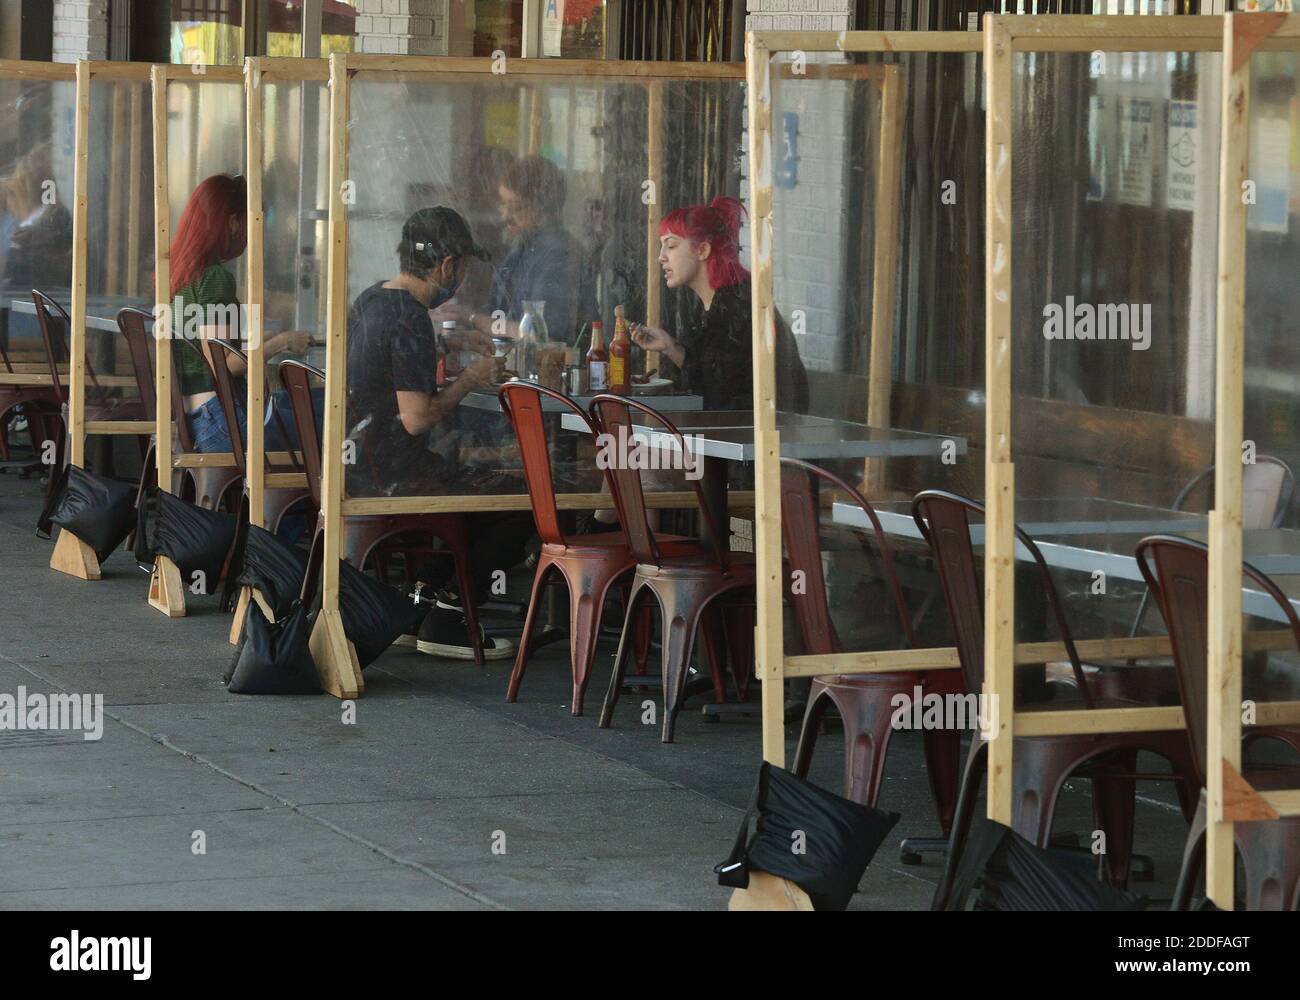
561, 173
865, 151
198, 127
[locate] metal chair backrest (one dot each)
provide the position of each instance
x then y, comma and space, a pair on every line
1177, 572
56, 334
612, 417
944, 522
522, 403
800, 527
183, 436
1267, 486
219, 353
296, 377
133, 324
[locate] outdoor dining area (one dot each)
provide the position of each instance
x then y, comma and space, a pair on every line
889, 382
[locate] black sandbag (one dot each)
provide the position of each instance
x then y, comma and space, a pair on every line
838, 838
262, 560
99, 511
1001, 870
273, 657
195, 539
374, 614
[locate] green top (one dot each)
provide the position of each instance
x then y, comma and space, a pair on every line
214, 287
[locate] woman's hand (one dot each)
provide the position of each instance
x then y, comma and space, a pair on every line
651, 338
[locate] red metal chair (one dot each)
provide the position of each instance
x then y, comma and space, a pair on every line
691, 582
34, 399
277, 501
1043, 763
864, 701
589, 564
1177, 574
364, 533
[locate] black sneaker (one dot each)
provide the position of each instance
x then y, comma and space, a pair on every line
445, 633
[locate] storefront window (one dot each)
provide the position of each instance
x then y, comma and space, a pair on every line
338, 30
207, 32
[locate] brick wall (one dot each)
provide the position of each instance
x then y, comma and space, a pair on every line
797, 15
402, 27
80, 30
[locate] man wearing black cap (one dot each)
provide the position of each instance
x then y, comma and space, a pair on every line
394, 402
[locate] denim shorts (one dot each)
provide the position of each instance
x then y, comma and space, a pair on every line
208, 427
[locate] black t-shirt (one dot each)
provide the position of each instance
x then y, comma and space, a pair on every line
392, 347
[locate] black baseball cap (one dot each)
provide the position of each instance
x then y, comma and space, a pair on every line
440, 232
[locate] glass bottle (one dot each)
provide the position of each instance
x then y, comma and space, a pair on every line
532, 334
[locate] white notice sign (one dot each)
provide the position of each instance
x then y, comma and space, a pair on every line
1135, 151
1183, 166
552, 26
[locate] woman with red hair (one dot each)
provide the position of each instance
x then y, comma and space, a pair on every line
699, 249
213, 230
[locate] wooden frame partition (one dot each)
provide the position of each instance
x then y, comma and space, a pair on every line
71, 555
772, 666
166, 588
1229, 797
334, 655
1004, 38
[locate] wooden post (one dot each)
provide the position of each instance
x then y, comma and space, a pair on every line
254, 453
165, 590
535, 123
117, 174
884, 284
71, 555
335, 658
769, 645
655, 170
999, 473
1223, 654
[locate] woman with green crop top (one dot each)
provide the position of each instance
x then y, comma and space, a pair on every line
212, 230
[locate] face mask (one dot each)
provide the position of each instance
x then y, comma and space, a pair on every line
441, 296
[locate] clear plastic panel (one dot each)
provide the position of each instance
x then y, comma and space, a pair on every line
36, 178
877, 256
1271, 359
119, 230
206, 137
1114, 237
561, 186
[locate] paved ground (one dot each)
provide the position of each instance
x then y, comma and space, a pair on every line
401, 809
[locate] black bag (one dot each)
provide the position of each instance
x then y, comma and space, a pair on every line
1001, 870
196, 540
273, 657
97, 510
374, 614
839, 838
261, 560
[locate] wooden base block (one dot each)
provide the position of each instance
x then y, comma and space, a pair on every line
166, 592
73, 556
769, 892
241, 609
336, 658
1241, 803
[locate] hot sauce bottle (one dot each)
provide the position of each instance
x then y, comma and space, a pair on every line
620, 356
597, 360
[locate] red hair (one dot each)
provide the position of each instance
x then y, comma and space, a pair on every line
717, 224
203, 235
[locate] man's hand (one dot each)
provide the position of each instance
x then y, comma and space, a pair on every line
452, 312
481, 374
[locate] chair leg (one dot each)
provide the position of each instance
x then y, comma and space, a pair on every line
681, 620
645, 622
468, 598
639, 595
740, 644
976, 762
818, 702
1193, 860
586, 603
715, 654
1113, 803
867, 728
525, 641
943, 767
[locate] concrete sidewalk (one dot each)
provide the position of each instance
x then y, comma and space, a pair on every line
440, 796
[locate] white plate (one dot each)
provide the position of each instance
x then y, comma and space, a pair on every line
652, 388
